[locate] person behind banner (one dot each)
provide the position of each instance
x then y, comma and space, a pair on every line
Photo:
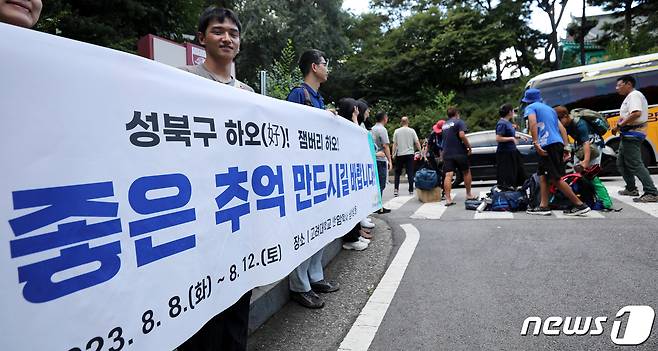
308, 279
219, 32
22, 13
384, 162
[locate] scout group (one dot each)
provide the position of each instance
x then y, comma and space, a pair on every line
447, 150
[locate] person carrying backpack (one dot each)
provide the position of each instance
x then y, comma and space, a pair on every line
435, 146
588, 149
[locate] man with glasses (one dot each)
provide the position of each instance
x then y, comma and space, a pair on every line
315, 69
308, 279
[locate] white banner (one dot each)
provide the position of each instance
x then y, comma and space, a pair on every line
139, 200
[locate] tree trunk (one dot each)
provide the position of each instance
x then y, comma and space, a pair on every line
628, 21
583, 21
499, 71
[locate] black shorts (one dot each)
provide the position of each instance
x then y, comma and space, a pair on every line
452, 163
552, 165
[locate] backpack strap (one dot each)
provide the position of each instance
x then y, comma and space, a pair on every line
307, 95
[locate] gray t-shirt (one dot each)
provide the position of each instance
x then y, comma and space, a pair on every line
380, 137
201, 71
405, 139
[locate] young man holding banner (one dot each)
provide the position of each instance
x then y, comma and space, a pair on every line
308, 279
219, 32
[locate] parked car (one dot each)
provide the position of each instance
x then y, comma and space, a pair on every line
483, 156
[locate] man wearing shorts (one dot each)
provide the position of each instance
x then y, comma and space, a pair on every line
456, 150
549, 138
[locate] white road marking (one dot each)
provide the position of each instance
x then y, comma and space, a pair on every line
367, 323
590, 214
493, 215
397, 202
430, 210
650, 208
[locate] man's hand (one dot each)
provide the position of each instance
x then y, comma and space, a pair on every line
584, 164
540, 151
469, 151
389, 165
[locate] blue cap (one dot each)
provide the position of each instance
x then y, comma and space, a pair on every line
531, 95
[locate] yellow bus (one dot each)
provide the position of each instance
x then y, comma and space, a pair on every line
593, 87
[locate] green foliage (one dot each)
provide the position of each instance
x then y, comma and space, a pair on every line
119, 24
283, 75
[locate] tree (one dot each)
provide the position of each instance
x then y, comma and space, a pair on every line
555, 17
284, 75
119, 24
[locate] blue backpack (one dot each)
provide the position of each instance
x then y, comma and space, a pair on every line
508, 200
426, 179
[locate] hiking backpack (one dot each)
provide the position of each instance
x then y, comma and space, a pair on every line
426, 179
595, 120
531, 188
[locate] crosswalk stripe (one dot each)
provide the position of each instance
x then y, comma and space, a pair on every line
430, 210
397, 202
590, 214
649, 208
493, 215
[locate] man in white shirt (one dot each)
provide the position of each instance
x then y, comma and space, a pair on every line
632, 123
404, 141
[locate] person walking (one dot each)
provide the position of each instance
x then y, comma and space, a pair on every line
456, 150
509, 165
549, 138
632, 123
404, 141
384, 163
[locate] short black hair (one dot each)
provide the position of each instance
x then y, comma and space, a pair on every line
380, 116
505, 110
308, 58
452, 112
627, 79
220, 14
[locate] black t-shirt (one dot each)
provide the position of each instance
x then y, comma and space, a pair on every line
452, 144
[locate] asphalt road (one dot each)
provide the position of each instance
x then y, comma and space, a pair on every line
471, 282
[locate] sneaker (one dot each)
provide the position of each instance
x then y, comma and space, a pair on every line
324, 286
627, 192
540, 211
646, 198
577, 210
383, 210
364, 240
307, 299
411, 193
395, 192
356, 246
365, 223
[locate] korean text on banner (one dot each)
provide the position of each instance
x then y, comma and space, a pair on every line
141, 200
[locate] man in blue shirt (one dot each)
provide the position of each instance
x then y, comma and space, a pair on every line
549, 138
315, 69
308, 279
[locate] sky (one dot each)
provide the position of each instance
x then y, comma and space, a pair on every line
539, 19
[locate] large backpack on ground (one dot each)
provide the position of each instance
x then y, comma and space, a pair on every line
580, 185
531, 188
508, 200
596, 121
426, 179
